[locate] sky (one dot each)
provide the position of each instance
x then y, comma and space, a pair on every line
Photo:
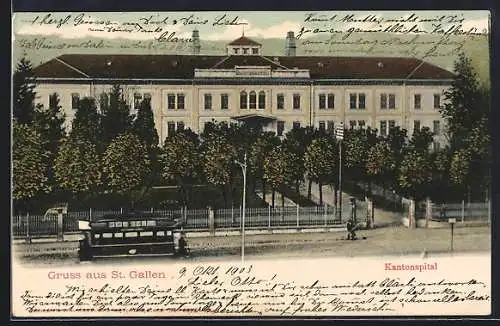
259, 25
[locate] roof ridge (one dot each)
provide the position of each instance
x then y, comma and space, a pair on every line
220, 62
243, 37
421, 63
72, 67
274, 62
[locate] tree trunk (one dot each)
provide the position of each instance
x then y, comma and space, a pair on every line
189, 194
224, 194
320, 188
182, 193
132, 203
282, 205
264, 190
229, 202
371, 213
335, 194
272, 197
297, 187
309, 189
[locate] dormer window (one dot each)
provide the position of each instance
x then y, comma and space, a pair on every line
236, 50
255, 51
245, 50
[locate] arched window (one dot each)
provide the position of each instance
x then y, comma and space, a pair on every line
262, 100
253, 100
243, 100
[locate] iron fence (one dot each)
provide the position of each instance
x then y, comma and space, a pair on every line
462, 212
193, 219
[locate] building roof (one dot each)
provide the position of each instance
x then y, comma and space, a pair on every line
103, 66
243, 40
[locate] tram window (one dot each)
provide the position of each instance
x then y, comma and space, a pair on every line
160, 233
111, 224
130, 234
144, 223
97, 236
107, 235
118, 224
169, 232
118, 235
125, 224
151, 223
146, 234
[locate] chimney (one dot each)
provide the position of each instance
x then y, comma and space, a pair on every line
290, 47
196, 42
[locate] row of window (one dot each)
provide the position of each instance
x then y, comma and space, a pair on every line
385, 125
173, 126
253, 101
104, 99
329, 125
326, 101
280, 127
175, 101
436, 126
246, 50
417, 101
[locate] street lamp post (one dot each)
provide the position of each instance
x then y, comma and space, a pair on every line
244, 170
340, 180
452, 222
339, 134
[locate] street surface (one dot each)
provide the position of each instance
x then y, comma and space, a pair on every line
388, 241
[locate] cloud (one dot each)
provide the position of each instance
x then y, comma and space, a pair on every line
275, 31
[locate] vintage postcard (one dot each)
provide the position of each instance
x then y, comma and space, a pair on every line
251, 164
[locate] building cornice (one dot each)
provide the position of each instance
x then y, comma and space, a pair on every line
241, 81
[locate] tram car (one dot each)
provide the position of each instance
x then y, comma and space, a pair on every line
129, 235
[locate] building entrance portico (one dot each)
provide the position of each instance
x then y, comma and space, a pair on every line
257, 121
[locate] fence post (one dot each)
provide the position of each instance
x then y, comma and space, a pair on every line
269, 216
469, 210
232, 215
411, 214
369, 218
28, 236
325, 208
297, 215
152, 210
60, 231
90, 214
489, 211
428, 211
121, 210
211, 220
463, 210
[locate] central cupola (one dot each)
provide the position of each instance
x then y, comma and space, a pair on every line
244, 46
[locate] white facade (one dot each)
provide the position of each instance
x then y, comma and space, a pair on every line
315, 105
